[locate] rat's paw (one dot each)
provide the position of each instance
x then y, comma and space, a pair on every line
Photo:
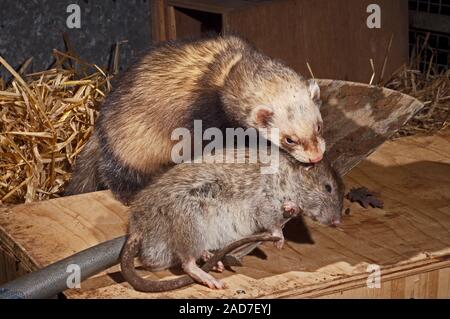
278, 233
206, 255
279, 244
214, 283
219, 267
199, 275
290, 209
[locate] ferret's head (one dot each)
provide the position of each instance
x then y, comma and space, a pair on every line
265, 94
320, 192
293, 108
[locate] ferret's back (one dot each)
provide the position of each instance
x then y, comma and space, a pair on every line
186, 62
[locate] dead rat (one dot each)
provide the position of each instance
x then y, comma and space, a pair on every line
193, 209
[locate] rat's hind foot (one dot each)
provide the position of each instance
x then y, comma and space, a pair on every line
219, 267
278, 232
194, 271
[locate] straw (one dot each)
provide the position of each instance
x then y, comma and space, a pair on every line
45, 120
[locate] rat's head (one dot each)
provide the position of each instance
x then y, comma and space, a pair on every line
293, 108
321, 192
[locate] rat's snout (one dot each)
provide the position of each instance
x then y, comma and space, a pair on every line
331, 220
335, 222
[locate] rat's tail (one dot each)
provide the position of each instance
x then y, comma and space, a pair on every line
85, 175
131, 250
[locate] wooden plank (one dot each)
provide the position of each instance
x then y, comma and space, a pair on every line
296, 25
194, 23
408, 238
358, 118
61, 227
216, 6
171, 23
436, 283
157, 20
186, 26
323, 34
10, 267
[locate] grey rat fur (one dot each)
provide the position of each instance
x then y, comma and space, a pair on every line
196, 208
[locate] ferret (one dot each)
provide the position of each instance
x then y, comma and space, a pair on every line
223, 81
193, 209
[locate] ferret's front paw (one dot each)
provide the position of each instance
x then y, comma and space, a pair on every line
290, 209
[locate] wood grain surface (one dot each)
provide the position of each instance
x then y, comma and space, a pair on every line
409, 239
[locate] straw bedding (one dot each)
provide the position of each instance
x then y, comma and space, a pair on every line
45, 119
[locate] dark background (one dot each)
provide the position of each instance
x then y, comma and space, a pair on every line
34, 27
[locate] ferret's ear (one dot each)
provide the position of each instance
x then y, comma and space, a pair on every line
314, 91
262, 116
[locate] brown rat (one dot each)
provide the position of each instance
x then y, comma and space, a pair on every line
193, 209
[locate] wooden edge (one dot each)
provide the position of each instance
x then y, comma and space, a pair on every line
359, 281
157, 20
171, 23
16, 250
220, 7
326, 82
294, 286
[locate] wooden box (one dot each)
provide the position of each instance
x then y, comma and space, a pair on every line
331, 35
409, 240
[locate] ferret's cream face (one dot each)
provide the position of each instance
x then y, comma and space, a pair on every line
304, 141
295, 112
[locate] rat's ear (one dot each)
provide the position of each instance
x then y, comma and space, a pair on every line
314, 91
262, 116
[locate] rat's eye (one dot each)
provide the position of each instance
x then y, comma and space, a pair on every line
328, 188
319, 128
289, 141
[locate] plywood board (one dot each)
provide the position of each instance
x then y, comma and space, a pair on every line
409, 239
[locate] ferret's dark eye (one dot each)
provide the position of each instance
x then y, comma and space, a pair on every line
328, 188
319, 128
289, 141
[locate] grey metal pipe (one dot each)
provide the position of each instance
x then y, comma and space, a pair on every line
51, 280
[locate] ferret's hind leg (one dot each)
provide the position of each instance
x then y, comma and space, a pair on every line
219, 267
191, 268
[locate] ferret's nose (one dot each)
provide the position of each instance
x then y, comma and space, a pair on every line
317, 159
